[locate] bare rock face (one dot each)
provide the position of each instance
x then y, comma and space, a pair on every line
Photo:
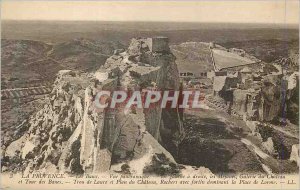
271, 99
70, 134
269, 146
295, 154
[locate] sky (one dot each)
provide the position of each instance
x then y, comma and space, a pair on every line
236, 11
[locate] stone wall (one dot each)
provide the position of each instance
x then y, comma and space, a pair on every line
159, 44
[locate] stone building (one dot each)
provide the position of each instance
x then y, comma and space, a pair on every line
254, 90
158, 44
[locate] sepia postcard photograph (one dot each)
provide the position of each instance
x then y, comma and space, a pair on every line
140, 94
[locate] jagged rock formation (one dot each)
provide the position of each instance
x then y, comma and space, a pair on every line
70, 134
29, 68
258, 95
259, 102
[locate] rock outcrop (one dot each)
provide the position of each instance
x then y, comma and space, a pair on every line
260, 96
295, 154
70, 134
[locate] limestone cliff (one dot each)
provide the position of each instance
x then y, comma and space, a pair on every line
70, 134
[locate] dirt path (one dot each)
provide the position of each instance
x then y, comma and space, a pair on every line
239, 129
214, 144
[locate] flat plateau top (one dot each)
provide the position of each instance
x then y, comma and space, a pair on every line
224, 59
